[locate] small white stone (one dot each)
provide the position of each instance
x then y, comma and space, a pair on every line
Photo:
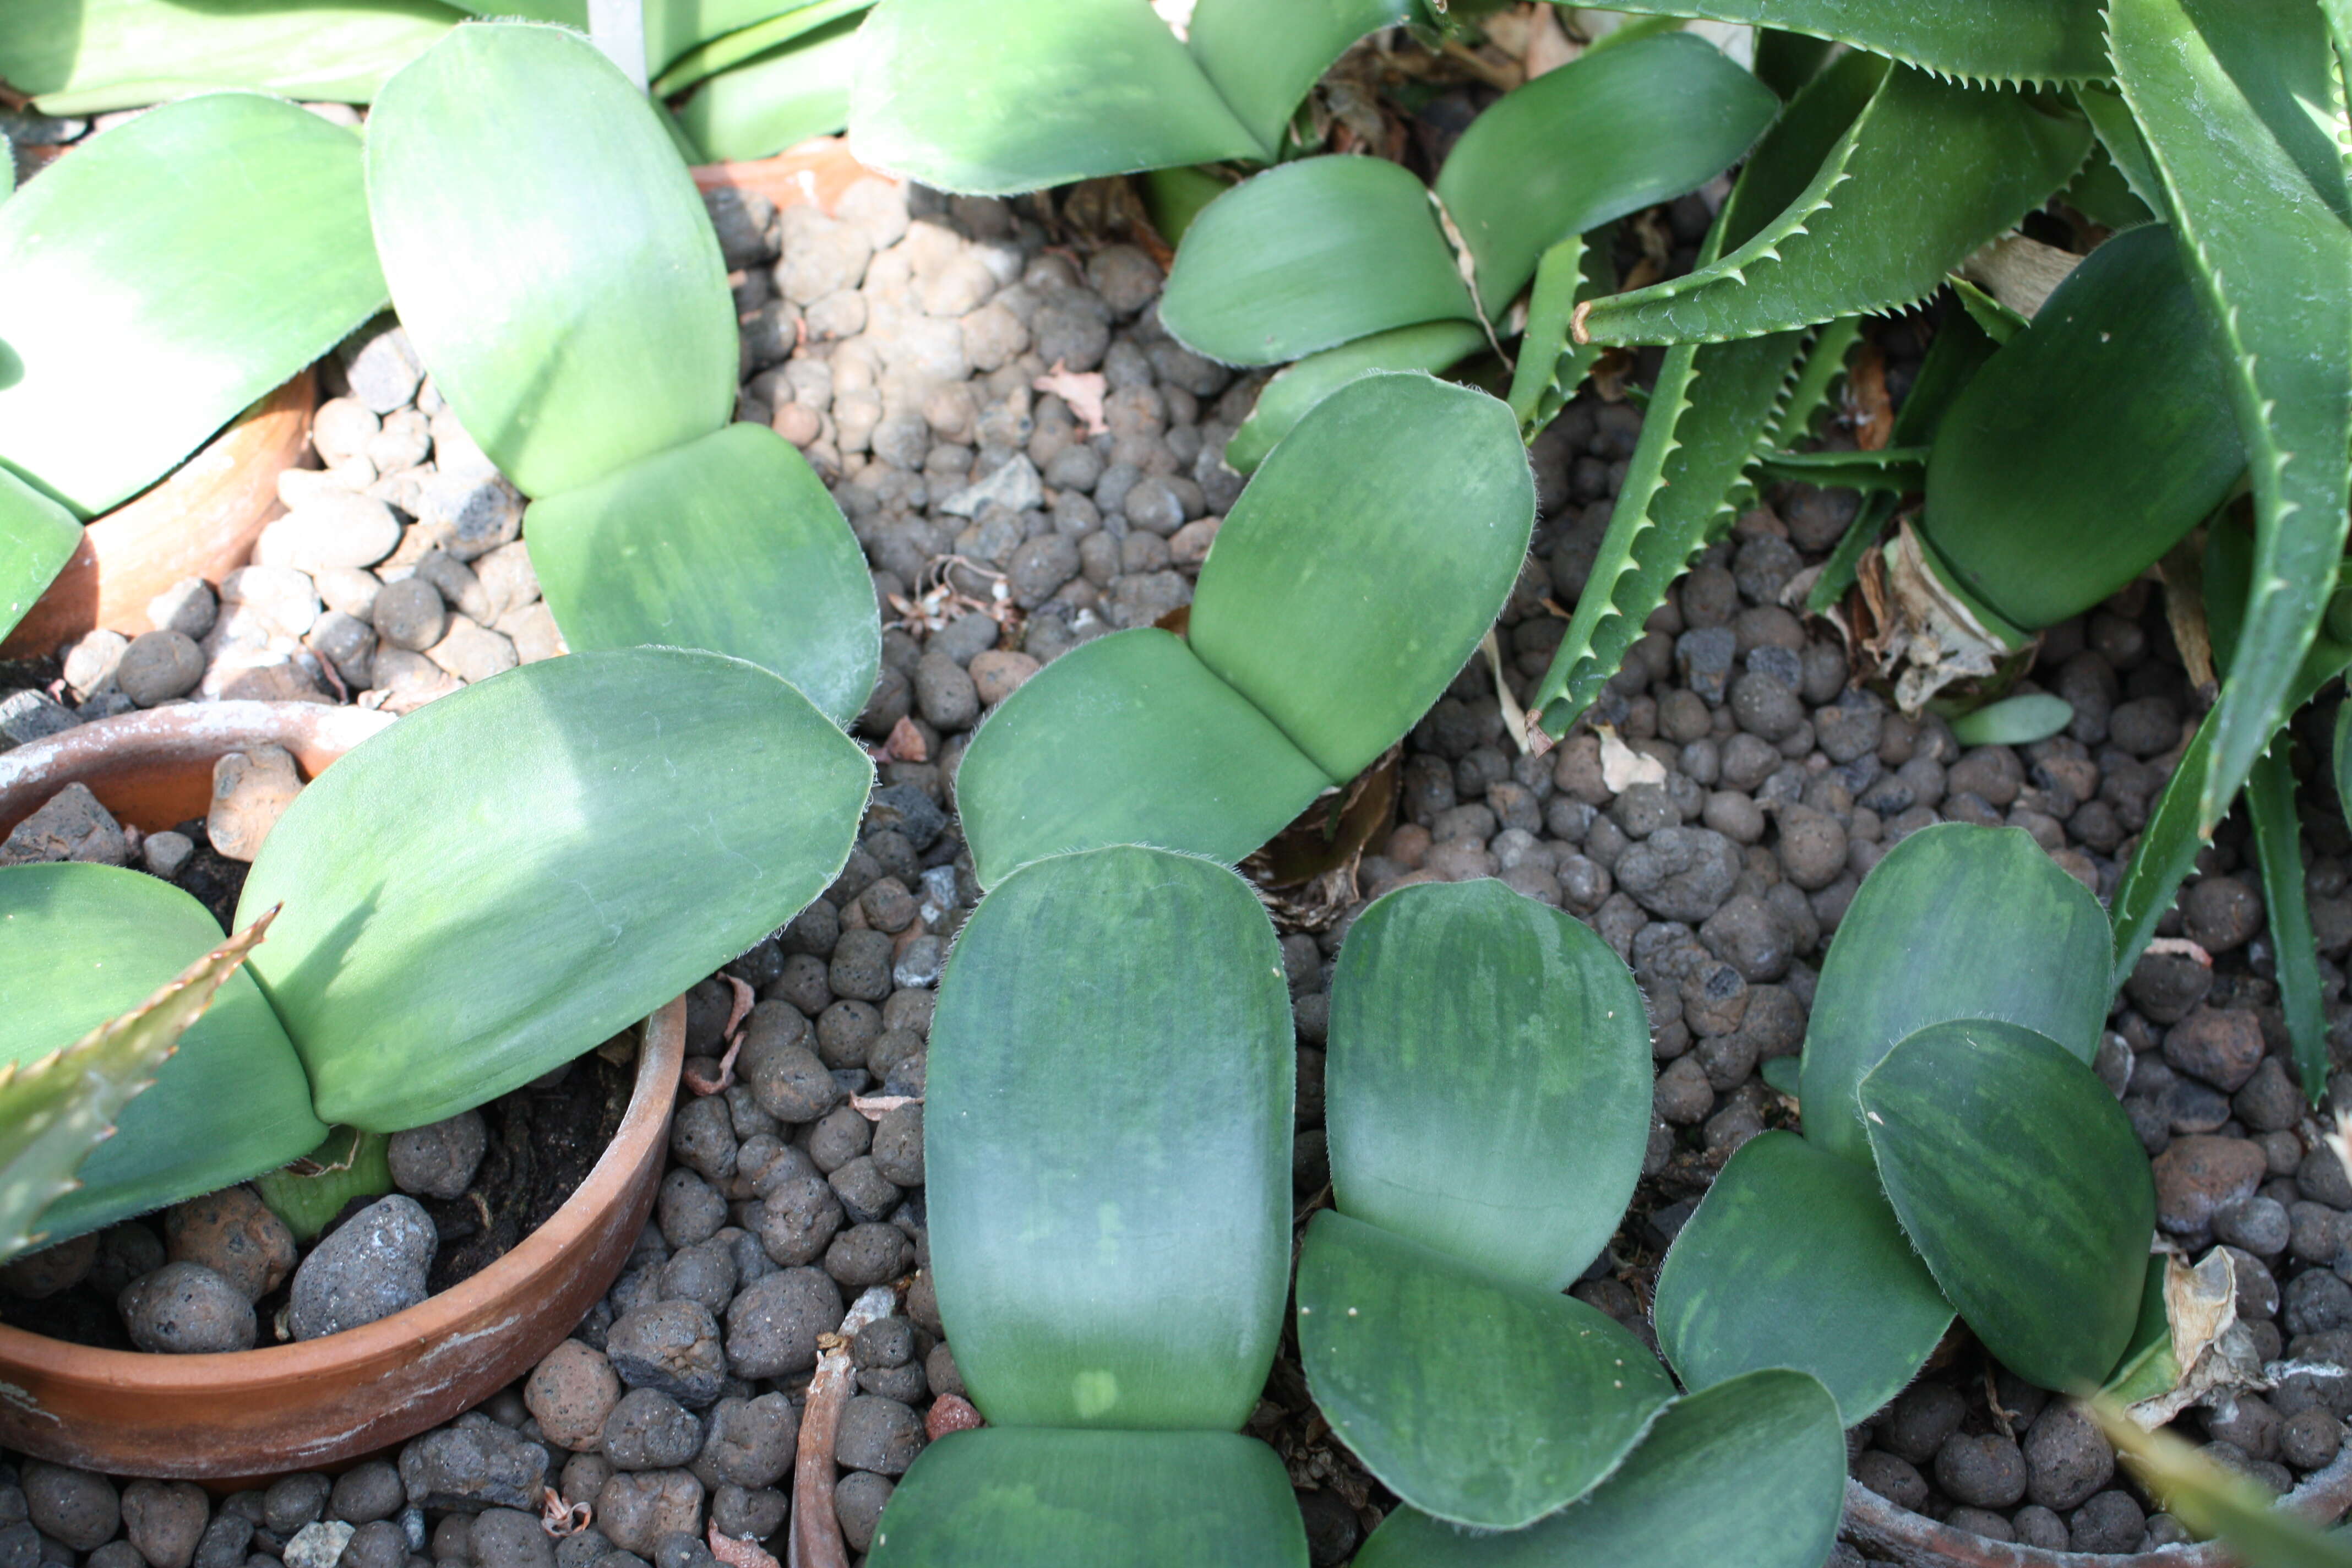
318, 1544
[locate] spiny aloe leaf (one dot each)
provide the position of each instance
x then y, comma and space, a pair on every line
2218, 1502
531, 864
1786, 61
728, 543
2018, 720
2000, 322
1263, 57
779, 98
1824, 366
1551, 366
219, 244
1606, 135
37, 537
309, 1194
2263, 235
513, 140
991, 99
2018, 1178
1750, 1472
1488, 1079
1128, 740
1795, 1259
2003, 41
1109, 1138
2090, 444
1927, 174
58, 1106
1956, 922
1005, 1496
1478, 1399
1898, 470
1274, 269
1431, 346
724, 49
2119, 139
1371, 550
2278, 846
2102, 193
86, 57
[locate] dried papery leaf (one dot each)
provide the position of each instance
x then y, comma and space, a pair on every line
55, 1110
2210, 1354
1933, 633
2005, 40
1084, 391
1622, 766
2020, 272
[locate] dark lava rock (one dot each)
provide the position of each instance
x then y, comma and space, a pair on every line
475, 1464
2198, 1176
671, 1346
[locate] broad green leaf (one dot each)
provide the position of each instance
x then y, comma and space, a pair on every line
219, 245
1824, 368
37, 537
2018, 1178
1751, 1471
1174, 197
991, 99
730, 543
515, 139
1956, 922
126, 962
2271, 257
1283, 264
1108, 1134
2278, 846
2091, 444
1606, 135
1927, 174
2218, 1502
2017, 720
1005, 1496
1977, 40
1369, 554
777, 99
1480, 1399
1488, 1079
309, 1194
1431, 346
1263, 55
1552, 365
719, 51
2148, 1368
86, 57
503, 880
1898, 470
1794, 1259
1128, 740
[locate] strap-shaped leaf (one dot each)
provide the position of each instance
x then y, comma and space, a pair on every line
1005, 1496
219, 244
2259, 213
1276, 267
1128, 740
1551, 363
1482, 1400
1956, 922
1795, 1259
1809, 393
2018, 720
1431, 346
2018, 1178
1264, 55
1927, 172
309, 1193
779, 98
1607, 135
722, 47
123, 966
1977, 40
1369, 554
2090, 444
1109, 1138
1898, 470
2278, 846
531, 864
1750, 1472
86, 57
1488, 1079
991, 99
617, 340
730, 543
37, 537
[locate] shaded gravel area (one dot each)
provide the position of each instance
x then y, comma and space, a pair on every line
901, 346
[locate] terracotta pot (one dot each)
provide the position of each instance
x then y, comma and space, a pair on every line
817, 170
315, 1404
199, 521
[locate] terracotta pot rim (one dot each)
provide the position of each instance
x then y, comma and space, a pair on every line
661, 1053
